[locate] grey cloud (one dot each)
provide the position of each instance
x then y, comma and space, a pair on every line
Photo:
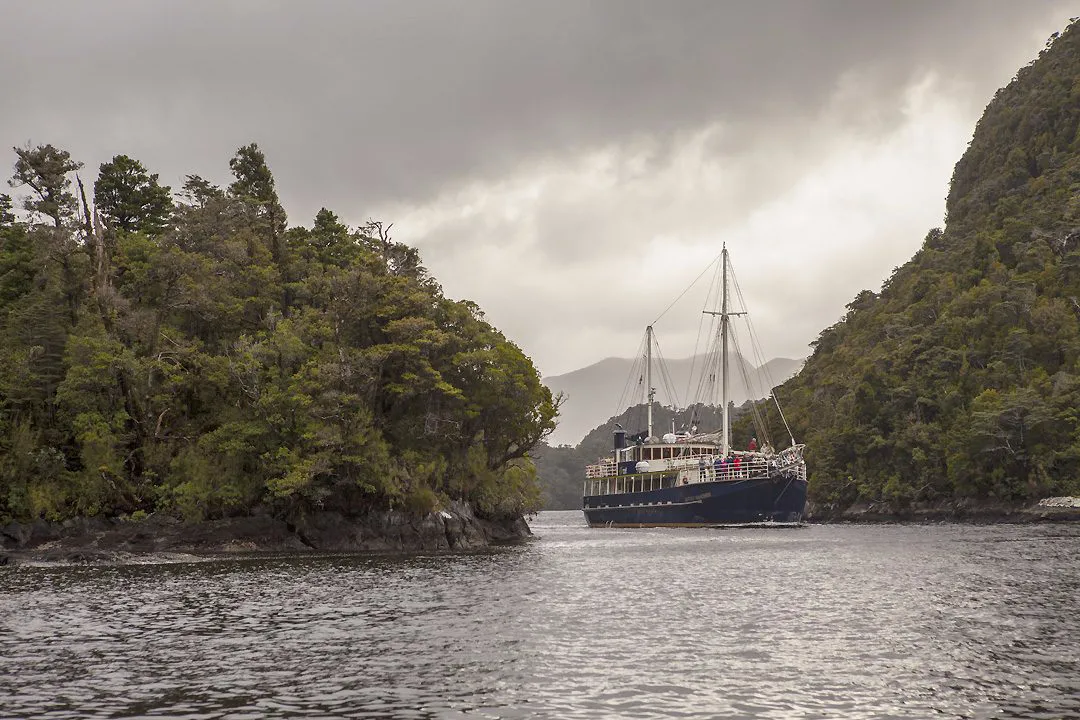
357, 104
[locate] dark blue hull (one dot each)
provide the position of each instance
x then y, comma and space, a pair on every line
777, 499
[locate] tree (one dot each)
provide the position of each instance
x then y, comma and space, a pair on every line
199, 192
44, 169
130, 198
6, 215
255, 183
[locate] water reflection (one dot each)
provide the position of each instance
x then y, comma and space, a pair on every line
888, 621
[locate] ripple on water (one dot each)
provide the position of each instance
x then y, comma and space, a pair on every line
817, 622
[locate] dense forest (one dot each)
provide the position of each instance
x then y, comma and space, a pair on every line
960, 379
193, 354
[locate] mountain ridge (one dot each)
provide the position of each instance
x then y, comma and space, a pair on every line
591, 392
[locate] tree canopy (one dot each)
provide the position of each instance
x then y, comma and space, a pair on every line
130, 198
201, 358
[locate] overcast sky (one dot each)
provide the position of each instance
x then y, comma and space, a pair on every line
569, 165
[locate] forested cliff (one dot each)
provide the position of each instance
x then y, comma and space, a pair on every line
196, 355
960, 379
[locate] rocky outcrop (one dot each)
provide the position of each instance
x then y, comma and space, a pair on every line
456, 527
1048, 510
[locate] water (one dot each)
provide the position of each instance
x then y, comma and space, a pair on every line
820, 622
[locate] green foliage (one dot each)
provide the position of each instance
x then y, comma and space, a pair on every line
223, 362
255, 184
960, 379
44, 170
7, 217
130, 198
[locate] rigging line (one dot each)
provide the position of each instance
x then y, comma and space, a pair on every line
762, 364
718, 268
665, 376
636, 412
751, 390
687, 289
759, 421
707, 383
635, 370
755, 344
784, 419
706, 389
758, 354
776, 401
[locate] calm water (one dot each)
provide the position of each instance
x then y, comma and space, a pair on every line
829, 622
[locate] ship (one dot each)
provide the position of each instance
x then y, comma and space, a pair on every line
691, 478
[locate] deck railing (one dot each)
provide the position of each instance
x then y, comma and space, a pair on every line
684, 474
603, 479
606, 468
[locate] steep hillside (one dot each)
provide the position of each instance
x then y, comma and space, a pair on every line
960, 380
592, 393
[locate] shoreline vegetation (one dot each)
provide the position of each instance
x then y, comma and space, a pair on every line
186, 368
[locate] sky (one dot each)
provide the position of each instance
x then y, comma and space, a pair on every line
569, 165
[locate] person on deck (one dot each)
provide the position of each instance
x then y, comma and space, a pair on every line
753, 444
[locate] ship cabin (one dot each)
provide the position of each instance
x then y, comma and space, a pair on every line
676, 460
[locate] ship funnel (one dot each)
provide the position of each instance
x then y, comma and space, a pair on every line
620, 439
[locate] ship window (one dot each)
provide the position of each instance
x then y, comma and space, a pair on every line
667, 452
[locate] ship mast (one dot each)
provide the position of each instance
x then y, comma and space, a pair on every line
725, 316
724, 357
648, 377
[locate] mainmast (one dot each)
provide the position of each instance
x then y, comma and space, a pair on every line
725, 317
724, 357
648, 376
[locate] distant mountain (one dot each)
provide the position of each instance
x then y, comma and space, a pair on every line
593, 392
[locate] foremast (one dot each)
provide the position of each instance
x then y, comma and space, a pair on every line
648, 378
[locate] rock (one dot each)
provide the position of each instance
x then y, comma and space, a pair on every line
1060, 502
456, 527
964, 510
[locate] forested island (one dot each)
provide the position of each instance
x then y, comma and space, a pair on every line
954, 391
190, 357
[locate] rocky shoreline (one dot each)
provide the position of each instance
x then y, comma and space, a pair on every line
1061, 509
457, 527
